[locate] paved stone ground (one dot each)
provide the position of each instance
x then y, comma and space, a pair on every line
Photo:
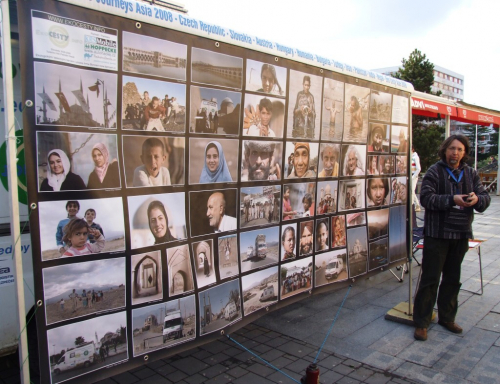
363, 346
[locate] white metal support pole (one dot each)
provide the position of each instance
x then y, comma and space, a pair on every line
447, 126
475, 150
410, 225
15, 230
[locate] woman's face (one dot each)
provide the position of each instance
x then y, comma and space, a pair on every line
212, 159
98, 158
322, 236
267, 80
377, 191
388, 165
157, 223
56, 165
374, 163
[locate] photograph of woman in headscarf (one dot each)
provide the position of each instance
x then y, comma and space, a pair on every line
59, 175
105, 173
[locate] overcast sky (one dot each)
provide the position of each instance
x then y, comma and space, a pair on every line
454, 34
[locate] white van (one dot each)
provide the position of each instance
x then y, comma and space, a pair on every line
333, 268
173, 325
83, 355
267, 294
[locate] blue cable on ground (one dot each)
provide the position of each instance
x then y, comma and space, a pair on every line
331, 326
260, 358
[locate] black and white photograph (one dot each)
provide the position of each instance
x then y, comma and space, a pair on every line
146, 279
401, 165
214, 111
399, 139
399, 190
86, 346
259, 206
378, 223
378, 138
357, 247
338, 231
70, 161
261, 160
386, 165
80, 289
356, 218
329, 160
213, 211
260, 289
156, 219
378, 192
296, 277
331, 267
298, 200
304, 105
163, 325
208, 67
153, 161
353, 160
322, 235
81, 227
259, 248
219, 306
380, 106
180, 271
351, 194
228, 256
397, 233
373, 166
289, 241
332, 123
93, 94
400, 109
357, 102
203, 255
263, 116
156, 57
379, 254
153, 105
306, 238
326, 199
265, 78
301, 160
213, 161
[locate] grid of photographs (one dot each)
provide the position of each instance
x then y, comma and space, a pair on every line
224, 184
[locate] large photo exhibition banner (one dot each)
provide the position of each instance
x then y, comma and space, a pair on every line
184, 187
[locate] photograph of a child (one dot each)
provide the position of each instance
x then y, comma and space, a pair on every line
331, 267
322, 235
159, 324
203, 253
70, 161
357, 247
288, 241
399, 139
326, 199
380, 106
153, 105
213, 161
93, 94
263, 116
338, 231
351, 194
261, 160
298, 200
378, 223
378, 139
156, 57
373, 166
401, 168
259, 248
180, 271
214, 111
265, 78
333, 110
81, 227
260, 289
400, 108
302, 160
80, 289
146, 280
213, 211
259, 206
357, 101
378, 192
156, 219
228, 256
399, 190
386, 165
296, 277
304, 103
160, 161
208, 67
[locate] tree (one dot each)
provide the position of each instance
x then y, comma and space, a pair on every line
79, 340
418, 70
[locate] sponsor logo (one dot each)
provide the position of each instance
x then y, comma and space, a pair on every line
464, 112
448, 108
59, 36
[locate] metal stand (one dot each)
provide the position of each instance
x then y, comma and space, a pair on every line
478, 247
